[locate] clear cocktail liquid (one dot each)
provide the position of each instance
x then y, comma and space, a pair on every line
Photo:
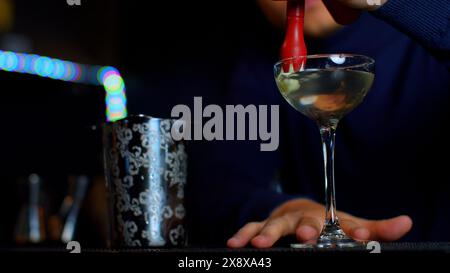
326, 95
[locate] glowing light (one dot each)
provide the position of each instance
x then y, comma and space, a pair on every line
114, 83
77, 73
107, 76
58, 70
43, 66
29, 64
8, 61
21, 66
106, 71
116, 101
69, 69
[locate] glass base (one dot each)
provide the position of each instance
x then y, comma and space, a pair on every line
332, 237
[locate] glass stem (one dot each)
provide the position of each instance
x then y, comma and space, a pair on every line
328, 134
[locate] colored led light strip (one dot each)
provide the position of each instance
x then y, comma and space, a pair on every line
107, 76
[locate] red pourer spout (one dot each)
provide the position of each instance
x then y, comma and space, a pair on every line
294, 41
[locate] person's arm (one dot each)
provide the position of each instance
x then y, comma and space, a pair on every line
232, 187
427, 22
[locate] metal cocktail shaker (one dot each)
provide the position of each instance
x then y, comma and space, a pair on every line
146, 175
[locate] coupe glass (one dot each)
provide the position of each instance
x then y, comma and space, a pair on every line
325, 88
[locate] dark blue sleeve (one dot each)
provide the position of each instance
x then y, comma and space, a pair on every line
427, 22
235, 182
231, 187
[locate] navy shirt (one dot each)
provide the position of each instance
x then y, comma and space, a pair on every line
391, 151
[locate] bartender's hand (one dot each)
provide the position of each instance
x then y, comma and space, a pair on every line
344, 12
355, 4
305, 218
361, 4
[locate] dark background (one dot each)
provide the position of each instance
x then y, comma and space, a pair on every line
167, 51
